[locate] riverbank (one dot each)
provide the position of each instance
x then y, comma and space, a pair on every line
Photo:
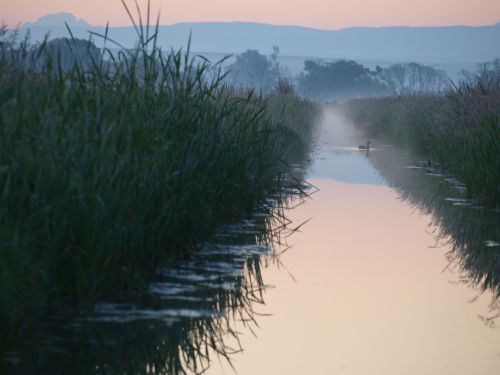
458, 131
110, 165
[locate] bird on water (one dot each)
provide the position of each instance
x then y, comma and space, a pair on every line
363, 147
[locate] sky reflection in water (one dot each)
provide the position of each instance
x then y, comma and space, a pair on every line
372, 291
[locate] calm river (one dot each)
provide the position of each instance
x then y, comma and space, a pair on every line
374, 289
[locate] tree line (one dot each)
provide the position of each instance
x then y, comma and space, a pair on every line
345, 79
322, 80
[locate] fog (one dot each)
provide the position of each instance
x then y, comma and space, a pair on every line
450, 49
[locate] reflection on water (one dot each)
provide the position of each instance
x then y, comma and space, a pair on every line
470, 231
182, 323
347, 165
373, 290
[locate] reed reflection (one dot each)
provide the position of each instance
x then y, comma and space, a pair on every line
472, 231
184, 319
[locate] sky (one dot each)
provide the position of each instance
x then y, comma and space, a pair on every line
323, 14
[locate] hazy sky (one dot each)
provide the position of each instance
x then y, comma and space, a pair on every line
327, 14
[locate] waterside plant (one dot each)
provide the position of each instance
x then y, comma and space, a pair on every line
110, 166
459, 131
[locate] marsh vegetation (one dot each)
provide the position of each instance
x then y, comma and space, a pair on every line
457, 130
111, 163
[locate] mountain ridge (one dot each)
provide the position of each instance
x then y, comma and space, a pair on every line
58, 19
392, 43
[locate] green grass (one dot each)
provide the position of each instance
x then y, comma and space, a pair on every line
110, 166
459, 131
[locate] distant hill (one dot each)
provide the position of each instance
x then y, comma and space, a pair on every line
58, 19
432, 45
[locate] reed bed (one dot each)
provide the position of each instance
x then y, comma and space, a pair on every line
110, 164
460, 131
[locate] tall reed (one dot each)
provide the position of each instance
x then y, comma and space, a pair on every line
459, 131
109, 165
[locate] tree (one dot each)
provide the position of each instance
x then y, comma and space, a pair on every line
487, 74
251, 69
414, 79
342, 79
264, 74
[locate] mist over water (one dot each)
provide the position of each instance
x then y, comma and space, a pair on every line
339, 157
373, 289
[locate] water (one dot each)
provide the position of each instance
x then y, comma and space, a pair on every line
385, 276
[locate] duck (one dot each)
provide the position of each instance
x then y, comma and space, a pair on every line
362, 147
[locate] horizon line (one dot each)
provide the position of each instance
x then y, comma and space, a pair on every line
21, 25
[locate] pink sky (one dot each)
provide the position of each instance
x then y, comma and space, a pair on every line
326, 14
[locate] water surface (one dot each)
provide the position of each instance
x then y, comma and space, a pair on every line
381, 283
